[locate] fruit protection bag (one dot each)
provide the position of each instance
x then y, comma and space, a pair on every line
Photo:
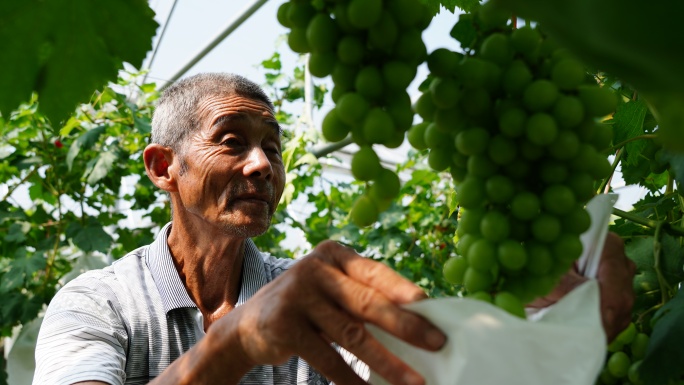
563, 344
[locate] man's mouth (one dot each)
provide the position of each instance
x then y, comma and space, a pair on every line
262, 199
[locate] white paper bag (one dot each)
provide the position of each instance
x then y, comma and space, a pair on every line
563, 344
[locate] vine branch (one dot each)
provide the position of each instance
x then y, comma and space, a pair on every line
605, 185
624, 142
657, 248
22, 181
648, 222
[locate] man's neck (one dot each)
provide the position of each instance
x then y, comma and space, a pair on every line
209, 264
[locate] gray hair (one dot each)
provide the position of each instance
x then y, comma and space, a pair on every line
176, 112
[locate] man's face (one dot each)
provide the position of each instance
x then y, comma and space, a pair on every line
234, 174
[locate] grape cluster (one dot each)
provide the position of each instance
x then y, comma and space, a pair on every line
371, 49
514, 120
624, 357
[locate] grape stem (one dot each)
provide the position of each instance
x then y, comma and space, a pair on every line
624, 142
657, 248
605, 185
669, 190
648, 222
648, 311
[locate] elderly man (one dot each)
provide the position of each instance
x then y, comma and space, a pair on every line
201, 305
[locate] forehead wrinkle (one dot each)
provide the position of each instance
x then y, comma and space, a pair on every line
241, 116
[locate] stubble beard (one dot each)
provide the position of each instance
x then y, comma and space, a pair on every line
244, 231
250, 231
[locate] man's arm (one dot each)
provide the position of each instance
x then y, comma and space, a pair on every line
326, 297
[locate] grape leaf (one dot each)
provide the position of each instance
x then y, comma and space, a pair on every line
90, 237
677, 163
272, 63
626, 228
640, 251
464, 31
640, 173
671, 256
84, 142
103, 163
655, 207
17, 232
142, 123
628, 122
452, 202
22, 267
451, 5
664, 360
432, 5
66, 49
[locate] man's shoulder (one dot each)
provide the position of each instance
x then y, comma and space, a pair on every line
108, 281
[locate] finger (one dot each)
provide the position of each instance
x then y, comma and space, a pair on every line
327, 361
367, 304
371, 273
351, 334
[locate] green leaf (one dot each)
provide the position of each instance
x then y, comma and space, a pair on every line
66, 49
17, 232
90, 237
464, 31
21, 269
465, 5
70, 125
142, 123
36, 191
664, 360
432, 5
641, 252
671, 256
628, 122
85, 142
103, 163
672, 259
307, 158
272, 63
452, 202
677, 163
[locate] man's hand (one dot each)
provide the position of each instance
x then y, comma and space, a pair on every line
327, 297
615, 275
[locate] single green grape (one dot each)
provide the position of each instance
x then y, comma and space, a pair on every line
365, 164
454, 270
364, 211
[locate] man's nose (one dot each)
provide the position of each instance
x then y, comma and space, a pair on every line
258, 165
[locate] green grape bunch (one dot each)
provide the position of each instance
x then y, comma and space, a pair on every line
624, 357
371, 49
516, 121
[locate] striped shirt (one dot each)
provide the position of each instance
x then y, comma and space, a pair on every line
128, 322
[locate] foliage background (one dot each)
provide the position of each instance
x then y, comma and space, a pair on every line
81, 171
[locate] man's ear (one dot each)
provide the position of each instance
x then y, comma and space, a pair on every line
159, 162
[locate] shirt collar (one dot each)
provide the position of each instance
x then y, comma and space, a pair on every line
171, 289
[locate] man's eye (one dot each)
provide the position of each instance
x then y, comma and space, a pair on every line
231, 142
